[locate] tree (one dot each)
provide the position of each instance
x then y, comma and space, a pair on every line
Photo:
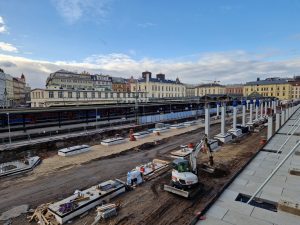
1, 70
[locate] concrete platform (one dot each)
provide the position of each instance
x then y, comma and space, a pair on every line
224, 138
282, 187
214, 145
85, 200
113, 141
18, 166
236, 132
181, 153
141, 134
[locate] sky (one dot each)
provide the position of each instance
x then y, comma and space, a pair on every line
231, 41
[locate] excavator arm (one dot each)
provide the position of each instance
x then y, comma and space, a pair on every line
194, 154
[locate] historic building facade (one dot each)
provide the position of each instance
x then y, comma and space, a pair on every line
158, 87
270, 87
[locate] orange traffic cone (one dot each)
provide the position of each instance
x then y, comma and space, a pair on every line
191, 145
131, 136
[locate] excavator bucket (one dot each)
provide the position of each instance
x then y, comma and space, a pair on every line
189, 193
176, 191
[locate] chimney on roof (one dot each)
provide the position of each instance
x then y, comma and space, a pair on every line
146, 75
161, 76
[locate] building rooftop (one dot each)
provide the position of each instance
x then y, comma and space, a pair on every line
268, 81
190, 85
210, 85
119, 80
156, 80
230, 208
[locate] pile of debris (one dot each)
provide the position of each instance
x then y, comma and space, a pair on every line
105, 212
42, 216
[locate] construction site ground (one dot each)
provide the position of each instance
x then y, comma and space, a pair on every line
146, 204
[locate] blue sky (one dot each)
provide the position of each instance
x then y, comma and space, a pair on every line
196, 40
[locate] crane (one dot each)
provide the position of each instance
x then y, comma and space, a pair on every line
215, 81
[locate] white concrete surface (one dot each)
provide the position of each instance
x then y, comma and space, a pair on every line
282, 186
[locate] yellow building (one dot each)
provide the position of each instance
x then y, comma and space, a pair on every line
209, 89
270, 87
296, 89
159, 87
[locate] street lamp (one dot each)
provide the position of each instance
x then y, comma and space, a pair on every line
77, 97
96, 117
5, 98
136, 102
8, 123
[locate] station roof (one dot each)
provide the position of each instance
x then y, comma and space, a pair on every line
90, 107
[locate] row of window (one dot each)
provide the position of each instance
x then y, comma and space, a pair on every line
168, 88
167, 95
234, 91
271, 94
75, 86
93, 94
265, 89
209, 91
37, 94
76, 81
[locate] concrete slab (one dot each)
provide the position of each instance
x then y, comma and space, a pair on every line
282, 186
240, 181
229, 195
248, 189
217, 212
248, 172
261, 172
239, 207
293, 195
212, 221
293, 180
274, 217
270, 196
240, 219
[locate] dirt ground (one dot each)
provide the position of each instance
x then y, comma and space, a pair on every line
148, 203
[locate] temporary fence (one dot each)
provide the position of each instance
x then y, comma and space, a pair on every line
169, 116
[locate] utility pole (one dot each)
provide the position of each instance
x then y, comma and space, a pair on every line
77, 97
5, 98
136, 102
96, 117
8, 124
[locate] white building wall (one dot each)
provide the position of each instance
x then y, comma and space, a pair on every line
42, 97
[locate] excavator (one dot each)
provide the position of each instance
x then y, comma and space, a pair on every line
185, 173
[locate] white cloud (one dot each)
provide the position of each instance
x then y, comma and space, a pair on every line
73, 10
7, 47
2, 25
228, 67
132, 52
